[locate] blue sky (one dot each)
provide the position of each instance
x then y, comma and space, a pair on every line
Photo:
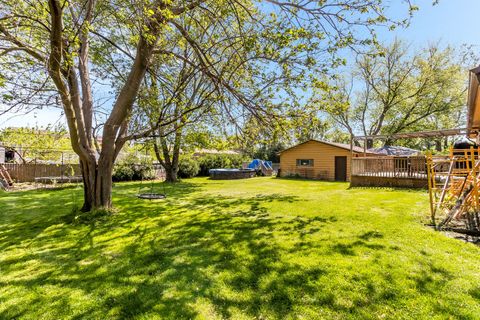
451, 22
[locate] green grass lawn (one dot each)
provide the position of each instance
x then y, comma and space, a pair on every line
260, 248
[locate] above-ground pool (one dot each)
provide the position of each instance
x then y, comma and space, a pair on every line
223, 174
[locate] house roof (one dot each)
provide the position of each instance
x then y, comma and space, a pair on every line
214, 151
417, 134
333, 144
394, 151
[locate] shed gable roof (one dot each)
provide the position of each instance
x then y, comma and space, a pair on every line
343, 146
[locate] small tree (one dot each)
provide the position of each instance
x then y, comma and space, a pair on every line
190, 99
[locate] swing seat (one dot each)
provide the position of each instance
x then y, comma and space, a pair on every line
151, 196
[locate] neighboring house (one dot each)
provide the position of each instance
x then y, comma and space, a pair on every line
319, 160
8, 155
203, 152
395, 151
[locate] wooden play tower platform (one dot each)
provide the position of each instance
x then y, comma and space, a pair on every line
454, 180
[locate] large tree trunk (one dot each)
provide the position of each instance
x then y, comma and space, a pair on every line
171, 174
89, 172
438, 145
369, 143
103, 186
169, 163
97, 184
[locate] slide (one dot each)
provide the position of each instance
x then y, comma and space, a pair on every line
265, 167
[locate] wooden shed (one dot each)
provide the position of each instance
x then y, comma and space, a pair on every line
321, 160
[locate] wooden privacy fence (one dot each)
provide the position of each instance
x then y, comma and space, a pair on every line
29, 171
159, 171
390, 167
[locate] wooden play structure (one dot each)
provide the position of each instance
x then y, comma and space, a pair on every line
454, 180
6, 181
454, 184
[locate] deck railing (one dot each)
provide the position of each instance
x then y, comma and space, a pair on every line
390, 167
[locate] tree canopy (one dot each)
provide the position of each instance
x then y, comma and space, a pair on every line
394, 89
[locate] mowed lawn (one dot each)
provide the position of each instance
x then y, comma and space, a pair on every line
261, 248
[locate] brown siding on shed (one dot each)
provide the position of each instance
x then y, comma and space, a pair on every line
323, 156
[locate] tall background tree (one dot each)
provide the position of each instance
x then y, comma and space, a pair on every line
396, 89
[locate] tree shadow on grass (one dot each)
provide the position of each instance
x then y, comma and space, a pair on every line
218, 252
26, 215
233, 251
431, 278
475, 293
191, 255
363, 241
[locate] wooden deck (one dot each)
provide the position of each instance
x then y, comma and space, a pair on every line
389, 171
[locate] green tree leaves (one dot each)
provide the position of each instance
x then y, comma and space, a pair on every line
396, 89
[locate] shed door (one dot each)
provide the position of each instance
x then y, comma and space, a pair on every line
341, 168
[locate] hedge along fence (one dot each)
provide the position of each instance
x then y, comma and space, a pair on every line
29, 171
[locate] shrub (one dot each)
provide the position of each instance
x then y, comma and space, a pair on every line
133, 170
188, 168
143, 171
269, 152
216, 161
122, 172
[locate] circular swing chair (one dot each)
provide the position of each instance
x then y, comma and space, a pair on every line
152, 192
151, 196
